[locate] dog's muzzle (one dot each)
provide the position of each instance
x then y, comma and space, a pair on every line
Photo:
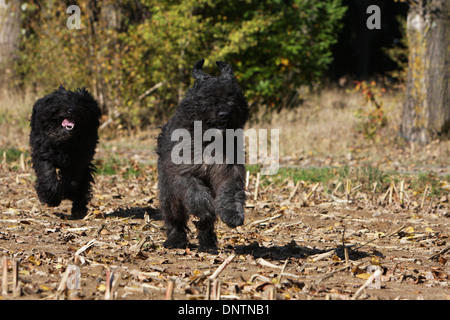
68, 124
223, 119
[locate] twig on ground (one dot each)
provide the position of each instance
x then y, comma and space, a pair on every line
109, 276
272, 294
79, 229
437, 255
375, 184
222, 266
268, 187
144, 288
338, 200
82, 249
112, 282
385, 195
337, 187
347, 189
208, 288
216, 289
401, 191
294, 191
137, 247
391, 191
332, 273
376, 274
16, 288
258, 175
425, 193
265, 220
311, 192
265, 263
282, 270
62, 288
169, 291
5, 276
386, 236
293, 223
22, 162
247, 179
347, 261
258, 276
321, 256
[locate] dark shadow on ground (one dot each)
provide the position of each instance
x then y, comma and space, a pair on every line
136, 213
131, 213
292, 250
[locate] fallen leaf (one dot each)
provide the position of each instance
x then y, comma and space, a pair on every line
364, 275
101, 287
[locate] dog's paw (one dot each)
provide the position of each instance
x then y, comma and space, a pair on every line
79, 211
49, 193
50, 199
175, 244
211, 249
232, 219
207, 240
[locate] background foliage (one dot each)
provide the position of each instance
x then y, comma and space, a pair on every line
136, 55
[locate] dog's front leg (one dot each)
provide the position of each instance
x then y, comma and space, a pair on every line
199, 202
48, 186
81, 194
230, 196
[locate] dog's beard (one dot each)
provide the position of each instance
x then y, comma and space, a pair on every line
221, 124
59, 127
60, 134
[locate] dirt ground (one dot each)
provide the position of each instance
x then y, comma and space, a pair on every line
291, 246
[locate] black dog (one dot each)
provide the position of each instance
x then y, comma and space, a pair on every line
64, 134
203, 189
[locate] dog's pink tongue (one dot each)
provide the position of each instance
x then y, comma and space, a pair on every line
68, 124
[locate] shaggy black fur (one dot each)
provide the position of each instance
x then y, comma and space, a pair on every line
204, 190
63, 138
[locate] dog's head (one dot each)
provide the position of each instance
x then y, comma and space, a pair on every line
64, 114
216, 101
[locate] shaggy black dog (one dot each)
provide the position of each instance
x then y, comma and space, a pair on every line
63, 138
203, 189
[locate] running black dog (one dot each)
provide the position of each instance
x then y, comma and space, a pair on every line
63, 138
204, 189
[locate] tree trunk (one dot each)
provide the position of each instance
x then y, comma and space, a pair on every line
9, 39
426, 112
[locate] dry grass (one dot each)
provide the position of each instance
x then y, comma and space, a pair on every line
325, 124
15, 112
322, 131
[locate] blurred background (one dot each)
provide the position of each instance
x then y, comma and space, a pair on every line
312, 68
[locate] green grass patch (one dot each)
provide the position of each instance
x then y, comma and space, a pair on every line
115, 165
366, 177
11, 154
420, 181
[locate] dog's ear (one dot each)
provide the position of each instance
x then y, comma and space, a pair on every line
89, 101
197, 71
61, 88
84, 93
226, 69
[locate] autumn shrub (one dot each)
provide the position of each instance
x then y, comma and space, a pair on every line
372, 116
136, 56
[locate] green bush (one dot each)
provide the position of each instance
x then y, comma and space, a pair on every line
126, 48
